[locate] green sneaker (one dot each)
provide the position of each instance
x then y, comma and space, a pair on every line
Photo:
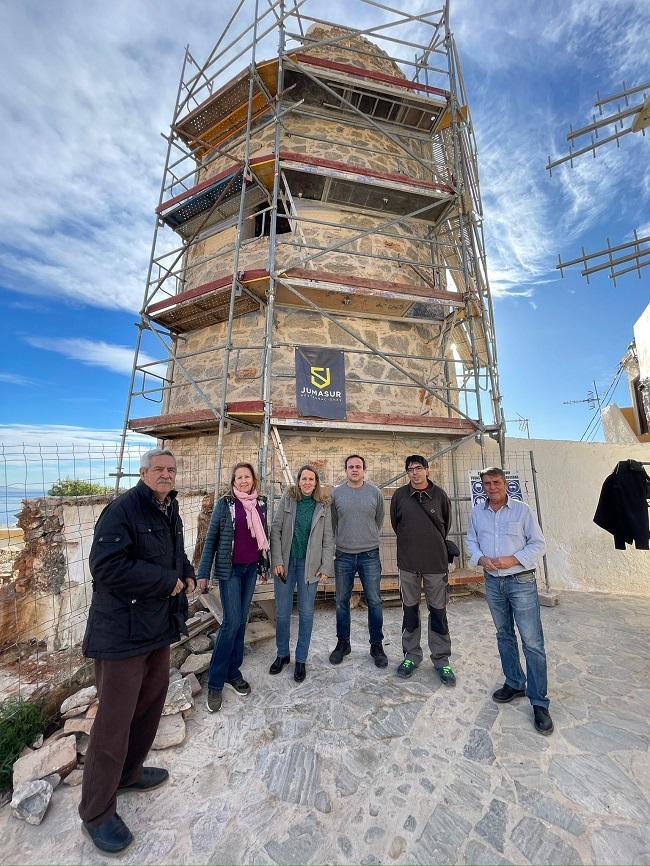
447, 676
406, 669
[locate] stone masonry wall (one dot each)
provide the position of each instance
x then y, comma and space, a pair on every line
374, 256
301, 328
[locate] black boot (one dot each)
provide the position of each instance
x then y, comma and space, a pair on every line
506, 694
299, 672
378, 654
341, 649
543, 721
112, 835
278, 664
151, 777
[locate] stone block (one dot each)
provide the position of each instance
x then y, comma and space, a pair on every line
74, 778
196, 664
171, 732
479, 746
91, 712
31, 799
493, 824
58, 757
200, 644
179, 698
80, 724
178, 655
541, 845
54, 779
195, 685
82, 698
83, 741
76, 711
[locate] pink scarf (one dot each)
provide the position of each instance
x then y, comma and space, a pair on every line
253, 519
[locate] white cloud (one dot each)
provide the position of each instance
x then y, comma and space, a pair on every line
82, 119
118, 359
15, 379
66, 437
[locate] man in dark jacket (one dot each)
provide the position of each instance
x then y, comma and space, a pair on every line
420, 513
140, 577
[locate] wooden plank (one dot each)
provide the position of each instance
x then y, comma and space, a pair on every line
359, 72
206, 288
361, 171
382, 285
211, 601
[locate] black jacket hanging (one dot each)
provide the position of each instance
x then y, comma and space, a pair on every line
623, 507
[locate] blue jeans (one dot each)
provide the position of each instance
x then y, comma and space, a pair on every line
368, 565
295, 575
515, 600
228, 654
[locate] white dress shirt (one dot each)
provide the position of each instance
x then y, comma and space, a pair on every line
510, 531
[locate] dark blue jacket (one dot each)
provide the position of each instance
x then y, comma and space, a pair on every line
216, 558
137, 555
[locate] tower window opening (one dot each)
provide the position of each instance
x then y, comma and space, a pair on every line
263, 222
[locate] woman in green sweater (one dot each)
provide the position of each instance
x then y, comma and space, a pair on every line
302, 552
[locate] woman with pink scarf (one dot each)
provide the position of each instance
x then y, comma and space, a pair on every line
235, 552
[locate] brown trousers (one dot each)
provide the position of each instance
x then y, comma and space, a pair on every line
131, 698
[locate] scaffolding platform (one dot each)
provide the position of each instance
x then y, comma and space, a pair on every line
224, 113
208, 203
179, 424
376, 94
209, 303
334, 182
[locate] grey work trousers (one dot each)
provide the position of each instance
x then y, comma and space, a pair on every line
435, 591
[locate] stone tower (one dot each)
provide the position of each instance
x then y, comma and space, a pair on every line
328, 198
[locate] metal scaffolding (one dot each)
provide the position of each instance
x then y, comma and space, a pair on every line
317, 168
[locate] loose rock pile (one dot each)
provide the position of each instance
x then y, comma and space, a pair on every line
59, 758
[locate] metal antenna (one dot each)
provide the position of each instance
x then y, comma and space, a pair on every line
637, 113
592, 399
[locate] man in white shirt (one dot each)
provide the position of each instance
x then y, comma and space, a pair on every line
504, 537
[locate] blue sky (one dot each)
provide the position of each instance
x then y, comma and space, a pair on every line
87, 89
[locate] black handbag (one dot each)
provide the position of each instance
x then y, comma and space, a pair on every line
452, 547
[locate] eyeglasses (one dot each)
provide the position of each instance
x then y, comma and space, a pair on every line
417, 468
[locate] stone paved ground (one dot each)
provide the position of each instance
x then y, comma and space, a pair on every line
356, 766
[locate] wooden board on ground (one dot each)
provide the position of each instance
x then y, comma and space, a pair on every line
211, 601
197, 625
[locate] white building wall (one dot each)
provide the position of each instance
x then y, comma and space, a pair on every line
581, 555
642, 340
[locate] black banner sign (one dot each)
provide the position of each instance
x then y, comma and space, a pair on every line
320, 383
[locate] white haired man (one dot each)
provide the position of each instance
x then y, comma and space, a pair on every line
140, 577
504, 537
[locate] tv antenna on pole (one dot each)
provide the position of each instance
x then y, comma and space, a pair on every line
633, 115
521, 422
592, 399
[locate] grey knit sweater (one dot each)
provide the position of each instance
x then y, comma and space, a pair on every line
357, 517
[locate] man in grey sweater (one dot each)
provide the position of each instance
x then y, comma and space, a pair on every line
357, 519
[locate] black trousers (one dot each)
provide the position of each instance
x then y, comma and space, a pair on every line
131, 699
